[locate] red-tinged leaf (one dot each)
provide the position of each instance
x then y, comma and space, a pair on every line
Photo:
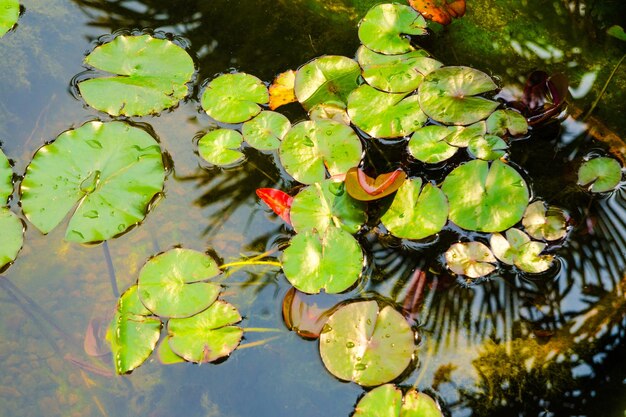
282, 90
440, 11
362, 187
278, 201
306, 314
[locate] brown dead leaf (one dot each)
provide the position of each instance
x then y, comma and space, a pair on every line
440, 11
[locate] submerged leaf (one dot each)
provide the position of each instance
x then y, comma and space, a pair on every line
472, 259
387, 401
306, 314
234, 98
282, 90
266, 130
12, 236
9, 13
384, 27
365, 188
600, 174
279, 201
150, 76
221, 147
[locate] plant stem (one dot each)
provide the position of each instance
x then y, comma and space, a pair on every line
262, 330
606, 84
111, 269
250, 262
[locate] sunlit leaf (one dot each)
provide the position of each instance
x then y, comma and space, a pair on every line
416, 212
617, 32
166, 355
334, 112
385, 115
150, 75
282, 90
313, 148
331, 261
600, 174
11, 238
362, 187
234, 98
327, 79
450, 95
428, 144
221, 147
506, 249
388, 401
487, 148
6, 179
541, 222
327, 204
529, 258
364, 343
279, 201
384, 27
472, 259
9, 13
105, 174
485, 198
440, 11
461, 136
266, 130
175, 283
207, 336
502, 121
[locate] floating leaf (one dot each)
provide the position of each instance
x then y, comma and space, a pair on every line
174, 283
440, 11
279, 201
306, 314
395, 73
529, 258
234, 98
600, 174
221, 147
105, 173
312, 148
266, 130
385, 115
326, 204
506, 249
487, 148
461, 136
331, 261
365, 188
544, 223
617, 32
416, 212
282, 90
332, 112
387, 401
9, 13
12, 236
166, 355
384, 27
150, 76
428, 144
207, 336
6, 179
364, 343
327, 79
484, 198
502, 121
472, 259
133, 334
449, 95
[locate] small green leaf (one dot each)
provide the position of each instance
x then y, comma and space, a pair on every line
221, 147
266, 130
384, 27
472, 259
544, 223
9, 13
529, 258
617, 32
463, 135
387, 401
600, 174
487, 148
502, 121
428, 144
6, 179
234, 98
12, 236
506, 249
166, 355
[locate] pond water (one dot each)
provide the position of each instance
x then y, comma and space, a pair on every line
510, 345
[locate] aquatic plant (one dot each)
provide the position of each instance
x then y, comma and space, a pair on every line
9, 13
11, 226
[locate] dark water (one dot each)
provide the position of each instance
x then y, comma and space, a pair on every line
508, 346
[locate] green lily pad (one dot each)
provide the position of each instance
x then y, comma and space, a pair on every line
12, 236
428, 144
150, 76
174, 283
266, 130
313, 147
327, 79
502, 121
617, 32
331, 261
9, 13
541, 222
207, 336
6, 179
221, 147
166, 355
484, 198
384, 27
387, 401
462, 136
332, 112
106, 174
395, 73
600, 174
385, 115
416, 212
326, 204
488, 147
472, 259
507, 249
234, 98
364, 343
449, 95
133, 333
529, 258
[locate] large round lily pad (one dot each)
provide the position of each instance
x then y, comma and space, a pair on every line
364, 343
174, 283
12, 236
327, 79
385, 115
105, 174
331, 261
150, 76
234, 98
387, 401
221, 147
472, 259
428, 144
416, 212
448, 95
384, 27
313, 147
484, 198
266, 130
133, 333
6, 179
9, 13
600, 174
207, 336
326, 204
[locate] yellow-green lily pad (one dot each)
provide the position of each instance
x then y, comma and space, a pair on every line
266, 130
388, 401
234, 98
600, 174
221, 147
385, 26
429, 144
